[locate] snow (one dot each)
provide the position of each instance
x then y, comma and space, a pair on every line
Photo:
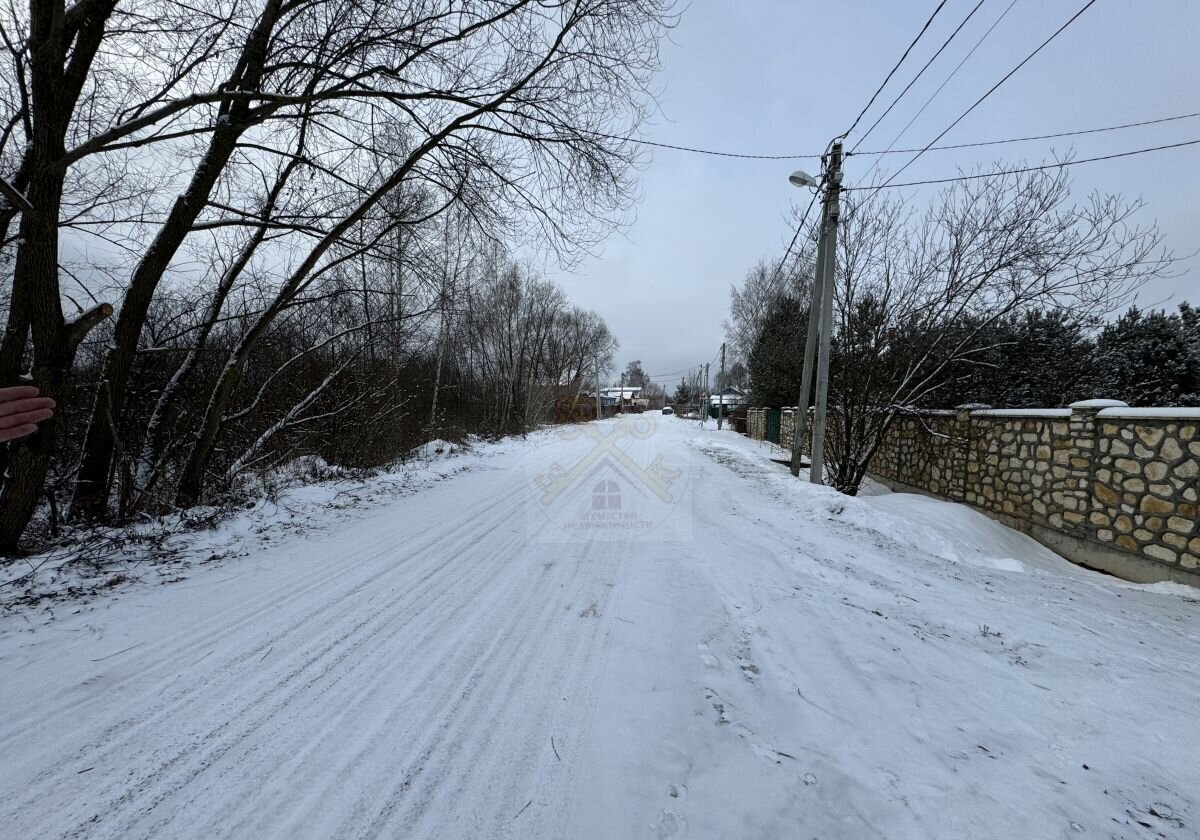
1098, 404
1022, 412
1151, 413
806, 664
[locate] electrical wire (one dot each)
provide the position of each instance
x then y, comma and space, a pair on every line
892, 151
920, 72
698, 151
1061, 165
672, 373
990, 91
892, 72
795, 236
1077, 133
946, 81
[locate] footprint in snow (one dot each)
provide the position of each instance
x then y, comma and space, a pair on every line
671, 823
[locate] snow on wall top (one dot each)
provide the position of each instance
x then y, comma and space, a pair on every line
1151, 413
1099, 404
1022, 412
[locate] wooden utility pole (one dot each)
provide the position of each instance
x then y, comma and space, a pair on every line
621, 396
704, 405
599, 410
721, 389
832, 211
810, 350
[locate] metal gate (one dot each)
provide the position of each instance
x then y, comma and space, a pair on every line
774, 417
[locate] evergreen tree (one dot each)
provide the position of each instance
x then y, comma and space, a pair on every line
1038, 359
1050, 364
1149, 359
684, 393
1190, 316
777, 357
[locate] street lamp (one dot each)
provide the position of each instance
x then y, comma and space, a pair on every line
800, 178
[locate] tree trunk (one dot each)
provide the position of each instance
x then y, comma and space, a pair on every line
191, 482
91, 488
55, 80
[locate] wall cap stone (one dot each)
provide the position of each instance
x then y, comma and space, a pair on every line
1096, 404
1150, 413
1022, 412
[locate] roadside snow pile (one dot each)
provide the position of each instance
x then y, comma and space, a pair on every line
301, 496
945, 530
939, 529
440, 450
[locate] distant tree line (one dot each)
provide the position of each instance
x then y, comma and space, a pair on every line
1035, 359
1044, 358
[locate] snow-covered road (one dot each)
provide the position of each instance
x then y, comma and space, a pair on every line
629, 632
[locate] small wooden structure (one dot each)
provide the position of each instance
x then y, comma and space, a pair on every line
574, 408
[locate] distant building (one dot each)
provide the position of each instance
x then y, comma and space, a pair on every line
731, 397
628, 398
629, 393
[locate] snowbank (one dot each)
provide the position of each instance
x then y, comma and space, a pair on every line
297, 498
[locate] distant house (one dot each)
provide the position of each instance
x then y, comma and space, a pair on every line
731, 398
615, 394
628, 398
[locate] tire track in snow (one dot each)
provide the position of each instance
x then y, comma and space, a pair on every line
358, 698
484, 695
298, 590
131, 730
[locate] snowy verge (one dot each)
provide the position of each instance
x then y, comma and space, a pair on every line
298, 498
937, 528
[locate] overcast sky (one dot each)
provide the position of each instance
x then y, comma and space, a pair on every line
783, 76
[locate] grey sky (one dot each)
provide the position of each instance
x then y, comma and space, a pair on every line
780, 76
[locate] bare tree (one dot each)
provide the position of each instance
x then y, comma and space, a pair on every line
915, 299
244, 162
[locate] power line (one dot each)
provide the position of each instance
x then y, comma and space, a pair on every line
1077, 133
920, 72
891, 151
946, 81
796, 235
892, 72
673, 373
991, 90
1060, 165
698, 151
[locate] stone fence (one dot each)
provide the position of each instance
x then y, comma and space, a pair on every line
1105, 485
756, 423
